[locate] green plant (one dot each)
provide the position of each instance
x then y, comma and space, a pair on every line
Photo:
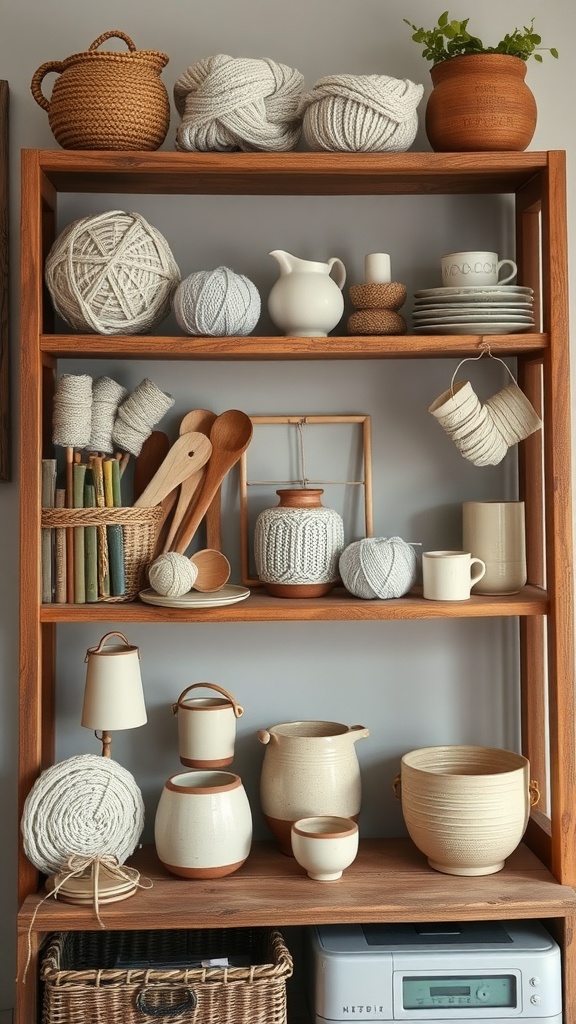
449, 38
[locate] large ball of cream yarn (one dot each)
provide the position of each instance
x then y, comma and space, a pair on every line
229, 103
112, 273
217, 302
361, 113
382, 567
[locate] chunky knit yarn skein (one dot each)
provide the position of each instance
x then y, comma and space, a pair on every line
113, 273
382, 567
361, 113
228, 103
172, 574
217, 302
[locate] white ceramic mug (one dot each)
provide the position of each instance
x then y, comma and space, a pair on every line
495, 532
450, 575
460, 269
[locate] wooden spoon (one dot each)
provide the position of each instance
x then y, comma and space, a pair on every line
188, 454
230, 436
200, 420
213, 570
153, 452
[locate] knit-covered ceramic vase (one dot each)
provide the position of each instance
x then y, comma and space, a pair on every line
297, 545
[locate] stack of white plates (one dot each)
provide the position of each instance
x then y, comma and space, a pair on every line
481, 309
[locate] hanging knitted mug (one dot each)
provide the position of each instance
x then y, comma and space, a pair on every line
297, 545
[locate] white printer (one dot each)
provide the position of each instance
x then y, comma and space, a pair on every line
490, 971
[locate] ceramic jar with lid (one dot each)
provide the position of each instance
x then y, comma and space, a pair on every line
297, 545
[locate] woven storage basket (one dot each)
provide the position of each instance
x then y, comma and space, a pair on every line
119, 977
139, 529
105, 99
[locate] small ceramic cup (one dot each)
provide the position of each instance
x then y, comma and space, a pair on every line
324, 845
461, 269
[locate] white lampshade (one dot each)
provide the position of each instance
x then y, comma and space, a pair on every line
113, 694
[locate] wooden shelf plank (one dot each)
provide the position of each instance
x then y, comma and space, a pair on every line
389, 881
251, 347
294, 173
338, 606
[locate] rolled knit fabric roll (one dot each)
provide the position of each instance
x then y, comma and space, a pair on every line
107, 395
72, 410
228, 103
139, 414
361, 113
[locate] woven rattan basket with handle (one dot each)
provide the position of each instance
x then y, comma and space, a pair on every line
139, 529
130, 977
106, 99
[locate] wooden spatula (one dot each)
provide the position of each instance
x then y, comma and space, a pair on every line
187, 455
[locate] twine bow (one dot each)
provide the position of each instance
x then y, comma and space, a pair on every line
77, 865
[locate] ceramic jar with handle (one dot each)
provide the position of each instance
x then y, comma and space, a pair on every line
310, 768
307, 299
203, 825
206, 727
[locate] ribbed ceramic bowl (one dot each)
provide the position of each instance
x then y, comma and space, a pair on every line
466, 808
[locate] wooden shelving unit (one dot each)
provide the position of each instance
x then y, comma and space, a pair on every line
390, 880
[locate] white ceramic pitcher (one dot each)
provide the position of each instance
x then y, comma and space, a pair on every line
309, 768
306, 301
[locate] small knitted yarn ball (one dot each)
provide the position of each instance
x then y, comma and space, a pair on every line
230, 103
361, 113
172, 574
378, 567
112, 274
217, 302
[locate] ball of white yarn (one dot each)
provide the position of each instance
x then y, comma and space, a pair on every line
217, 302
229, 103
382, 567
112, 273
172, 574
361, 113
86, 805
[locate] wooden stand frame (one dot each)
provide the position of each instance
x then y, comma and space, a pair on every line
303, 421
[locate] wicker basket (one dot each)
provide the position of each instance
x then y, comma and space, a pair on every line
139, 529
105, 99
127, 977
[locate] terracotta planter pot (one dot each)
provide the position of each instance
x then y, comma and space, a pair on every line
480, 102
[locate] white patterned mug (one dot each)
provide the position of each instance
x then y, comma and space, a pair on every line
461, 269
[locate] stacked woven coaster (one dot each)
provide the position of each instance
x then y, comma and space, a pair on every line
376, 308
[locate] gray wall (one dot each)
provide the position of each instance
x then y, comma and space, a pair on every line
413, 683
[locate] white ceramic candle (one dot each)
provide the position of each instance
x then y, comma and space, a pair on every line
377, 268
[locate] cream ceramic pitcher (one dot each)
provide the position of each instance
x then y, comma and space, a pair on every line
306, 301
309, 768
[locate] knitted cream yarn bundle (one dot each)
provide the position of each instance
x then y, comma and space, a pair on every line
218, 303
229, 103
172, 574
86, 805
382, 567
112, 273
361, 113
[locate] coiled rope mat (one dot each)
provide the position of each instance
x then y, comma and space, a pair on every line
87, 805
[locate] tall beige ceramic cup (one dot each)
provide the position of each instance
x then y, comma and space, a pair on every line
495, 532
